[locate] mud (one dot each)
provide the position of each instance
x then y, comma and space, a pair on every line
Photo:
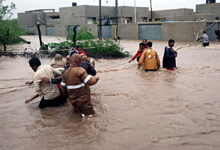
134, 110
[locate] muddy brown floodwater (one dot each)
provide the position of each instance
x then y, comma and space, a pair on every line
135, 110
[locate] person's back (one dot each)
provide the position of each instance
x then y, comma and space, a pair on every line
49, 91
77, 82
149, 59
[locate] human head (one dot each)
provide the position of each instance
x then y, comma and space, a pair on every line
74, 51
79, 48
34, 63
204, 32
141, 46
171, 43
58, 57
75, 60
144, 41
149, 44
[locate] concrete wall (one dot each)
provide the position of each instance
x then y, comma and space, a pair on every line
127, 31
208, 11
27, 19
175, 14
181, 31
72, 15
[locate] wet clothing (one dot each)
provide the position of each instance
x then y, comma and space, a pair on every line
84, 64
77, 82
48, 91
88, 59
73, 51
88, 67
56, 102
58, 64
169, 58
137, 55
205, 44
150, 59
205, 38
83, 53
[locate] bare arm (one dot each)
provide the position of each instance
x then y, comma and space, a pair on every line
34, 97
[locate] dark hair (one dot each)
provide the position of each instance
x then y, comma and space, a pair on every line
149, 44
74, 51
78, 46
34, 62
171, 41
144, 40
204, 31
141, 44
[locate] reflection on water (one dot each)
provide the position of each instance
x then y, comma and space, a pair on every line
134, 109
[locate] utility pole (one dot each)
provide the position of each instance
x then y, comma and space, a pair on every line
135, 12
116, 20
100, 20
39, 33
151, 12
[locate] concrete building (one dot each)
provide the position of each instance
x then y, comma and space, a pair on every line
180, 24
174, 15
208, 12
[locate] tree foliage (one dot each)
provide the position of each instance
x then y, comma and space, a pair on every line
9, 29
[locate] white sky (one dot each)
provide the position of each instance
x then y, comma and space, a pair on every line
23, 5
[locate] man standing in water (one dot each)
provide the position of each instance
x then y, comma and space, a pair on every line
150, 59
50, 92
77, 82
169, 58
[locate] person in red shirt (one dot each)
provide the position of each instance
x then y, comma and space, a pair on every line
80, 50
139, 52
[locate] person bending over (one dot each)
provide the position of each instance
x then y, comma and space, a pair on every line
139, 52
50, 93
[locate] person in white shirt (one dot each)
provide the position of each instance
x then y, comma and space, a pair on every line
50, 93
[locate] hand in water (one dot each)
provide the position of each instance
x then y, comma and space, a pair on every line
29, 83
28, 101
97, 78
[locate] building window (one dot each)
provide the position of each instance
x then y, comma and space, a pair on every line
159, 19
31, 30
55, 17
91, 20
128, 19
144, 19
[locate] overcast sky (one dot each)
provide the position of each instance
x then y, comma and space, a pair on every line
23, 5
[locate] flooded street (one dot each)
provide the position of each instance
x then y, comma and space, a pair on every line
135, 110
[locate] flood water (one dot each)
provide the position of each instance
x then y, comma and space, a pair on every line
135, 110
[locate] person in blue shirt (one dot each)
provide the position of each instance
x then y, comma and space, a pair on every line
169, 58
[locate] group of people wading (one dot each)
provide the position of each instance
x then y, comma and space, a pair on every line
148, 58
63, 82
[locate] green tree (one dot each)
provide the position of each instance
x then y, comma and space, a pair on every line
9, 29
5, 13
